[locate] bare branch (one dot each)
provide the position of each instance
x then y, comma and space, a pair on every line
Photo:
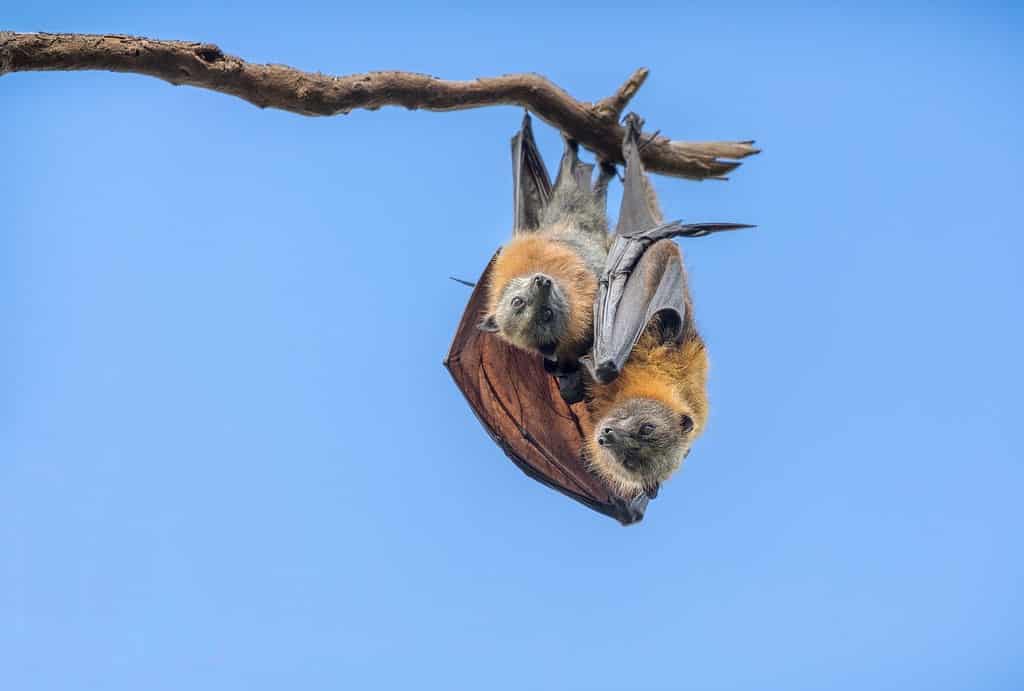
613, 106
204, 65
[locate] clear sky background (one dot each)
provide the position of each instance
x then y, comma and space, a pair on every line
230, 457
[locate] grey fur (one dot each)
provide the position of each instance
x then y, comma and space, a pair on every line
576, 214
522, 317
590, 245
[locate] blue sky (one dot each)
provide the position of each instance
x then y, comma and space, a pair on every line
230, 457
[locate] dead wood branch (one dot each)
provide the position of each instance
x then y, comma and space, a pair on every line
594, 125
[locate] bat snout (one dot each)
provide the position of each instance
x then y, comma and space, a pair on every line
607, 437
542, 286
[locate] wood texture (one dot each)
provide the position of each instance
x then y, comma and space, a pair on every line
594, 125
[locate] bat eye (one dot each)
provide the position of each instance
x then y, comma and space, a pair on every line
646, 429
517, 302
546, 314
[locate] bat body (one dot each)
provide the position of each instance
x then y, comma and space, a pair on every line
646, 419
541, 290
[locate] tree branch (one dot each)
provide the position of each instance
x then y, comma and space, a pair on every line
595, 126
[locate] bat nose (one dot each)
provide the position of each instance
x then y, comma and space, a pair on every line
606, 437
541, 288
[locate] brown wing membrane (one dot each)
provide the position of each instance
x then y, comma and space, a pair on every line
520, 407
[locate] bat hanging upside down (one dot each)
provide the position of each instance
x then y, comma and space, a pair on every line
617, 303
543, 283
648, 396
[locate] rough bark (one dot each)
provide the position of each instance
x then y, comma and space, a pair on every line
594, 125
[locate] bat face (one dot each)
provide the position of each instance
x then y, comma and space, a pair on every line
532, 313
639, 443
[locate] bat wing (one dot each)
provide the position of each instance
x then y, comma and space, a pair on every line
520, 407
531, 185
644, 275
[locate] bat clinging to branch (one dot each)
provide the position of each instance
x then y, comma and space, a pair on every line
647, 401
560, 287
543, 282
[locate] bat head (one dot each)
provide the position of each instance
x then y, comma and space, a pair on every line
531, 312
639, 443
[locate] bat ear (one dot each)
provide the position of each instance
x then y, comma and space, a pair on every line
686, 423
488, 324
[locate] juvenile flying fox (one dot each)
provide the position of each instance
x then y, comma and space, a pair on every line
543, 283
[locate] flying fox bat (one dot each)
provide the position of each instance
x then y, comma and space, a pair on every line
511, 391
540, 292
648, 400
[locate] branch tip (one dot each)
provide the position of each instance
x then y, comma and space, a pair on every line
611, 108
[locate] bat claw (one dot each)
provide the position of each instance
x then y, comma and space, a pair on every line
570, 385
